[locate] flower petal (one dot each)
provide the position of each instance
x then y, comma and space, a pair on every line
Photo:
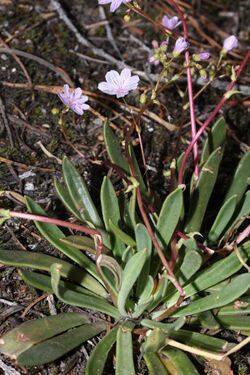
102, 2
66, 89
107, 88
77, 93
64, 98
125, 74
132, 83
113, 78
115, 5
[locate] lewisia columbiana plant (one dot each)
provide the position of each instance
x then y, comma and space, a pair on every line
119, 84
114, 4
74, 99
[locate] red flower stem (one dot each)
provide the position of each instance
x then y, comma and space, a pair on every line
62, 223
209, 119
190, 87
243, 235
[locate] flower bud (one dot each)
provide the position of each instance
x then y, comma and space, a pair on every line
180, 45
203, 73
143, 99
229, 43
201, 56
126, 18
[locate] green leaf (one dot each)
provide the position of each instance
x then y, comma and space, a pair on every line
140, 307
81, 243
112, 278
238, 323
130, 275
143, 241
160, 291
79, 194
181, 362
240, 179
169, 216
215, 139
124, 237
50, 350
98, 357
187, 337
148, 290
78, 299
207, 320
54, 235
191, 264
212, 275
138, 172
124, 351
202, 192
199, 340
43, 282
132, 219
23, 337
154, 364
155, 341
230, 293
187, 266
111, 210
222, 219
65, 197
114, 149
166, 327
241, 216
241, 306
43, 262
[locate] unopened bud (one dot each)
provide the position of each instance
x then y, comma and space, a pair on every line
203, 73
55, 111
143, 99
126, 18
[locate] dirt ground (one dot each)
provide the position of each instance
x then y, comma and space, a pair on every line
39, 50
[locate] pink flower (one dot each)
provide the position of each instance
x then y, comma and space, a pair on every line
180, 45
230, 43
74, 99
114, 4
119, 84
170, 22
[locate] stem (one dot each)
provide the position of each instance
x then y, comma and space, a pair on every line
209, 119
190, 88
62, 223
243, 235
